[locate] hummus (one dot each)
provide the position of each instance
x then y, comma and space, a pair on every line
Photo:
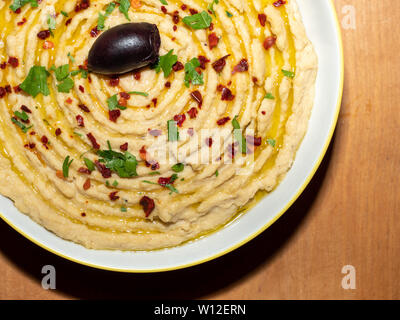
159, 156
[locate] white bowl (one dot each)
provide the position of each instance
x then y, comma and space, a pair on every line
324, 31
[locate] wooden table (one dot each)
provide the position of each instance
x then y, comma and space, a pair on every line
349, 214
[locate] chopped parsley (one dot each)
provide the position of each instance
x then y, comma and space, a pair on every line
23, 127
123, 164
166, 62
21, 115
217, 173
173, 131
36, 82
191, 74
20, 3
89, 164
179, 167
271, 142
228, 14
124, 209
198, 21
164, 2
113, 103
65, 168
66, 85
64, 14
144, 94
71, 57
288, 74
124, 6
211, 6
269, 96
102, 17
61, 72
51, 22
237, 133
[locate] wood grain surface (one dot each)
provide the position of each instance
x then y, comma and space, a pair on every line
349, 214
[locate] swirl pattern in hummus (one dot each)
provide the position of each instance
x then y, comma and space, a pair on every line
273, 99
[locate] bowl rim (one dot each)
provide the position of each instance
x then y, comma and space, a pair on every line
255, 234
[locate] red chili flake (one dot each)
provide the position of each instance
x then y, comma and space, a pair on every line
13, 62
220, 87
32, 145
148, 205
68, 21
80, 121
123, 102
21, 22
178, 66
113, 196
213, 40
137, 76
269, 42
87, 184
84, 66
44, 139
18, 11
143, 153
193, 11
262, 18
180, 119
69, 101
155, 133
209, 142
105, 172
154, 165
222, 121
254, 79
81, 89
3, 92
154, 102
26, 109
175, 17
90, 79
254, 141
203, 60
164, 10
184, 7
17, 89
196, 96
193, 113
113, 115
84, 170
8, 88
243, 66
48, 45
227, 95
84, 108
92, 139
58, 132
168, 84
164, 181
82, 5
175, 28
211, 28
114, 82
220, 64
124, 147
3, 65
94, 32
263, 113
125, 95
32, 133
279, 3
83, 214
190, 132
44, 34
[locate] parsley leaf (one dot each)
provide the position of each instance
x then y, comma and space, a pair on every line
124, 164
36, 82
166, 63
191, 74
179, 167
102, 17
237, 133
173, 131
62, 72
51, 22
164, 2
22, 115
271, 142
113, 103
198, 21
66, 165
89, 164
20, 3
64, 14
144, 94
288, 74
124, 6
23, 127
269, 96
66, 85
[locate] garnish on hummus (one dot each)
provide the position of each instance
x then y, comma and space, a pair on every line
139, 125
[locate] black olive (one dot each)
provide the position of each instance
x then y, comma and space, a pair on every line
125, 48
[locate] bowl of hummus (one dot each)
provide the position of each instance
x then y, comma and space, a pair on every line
150, 135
